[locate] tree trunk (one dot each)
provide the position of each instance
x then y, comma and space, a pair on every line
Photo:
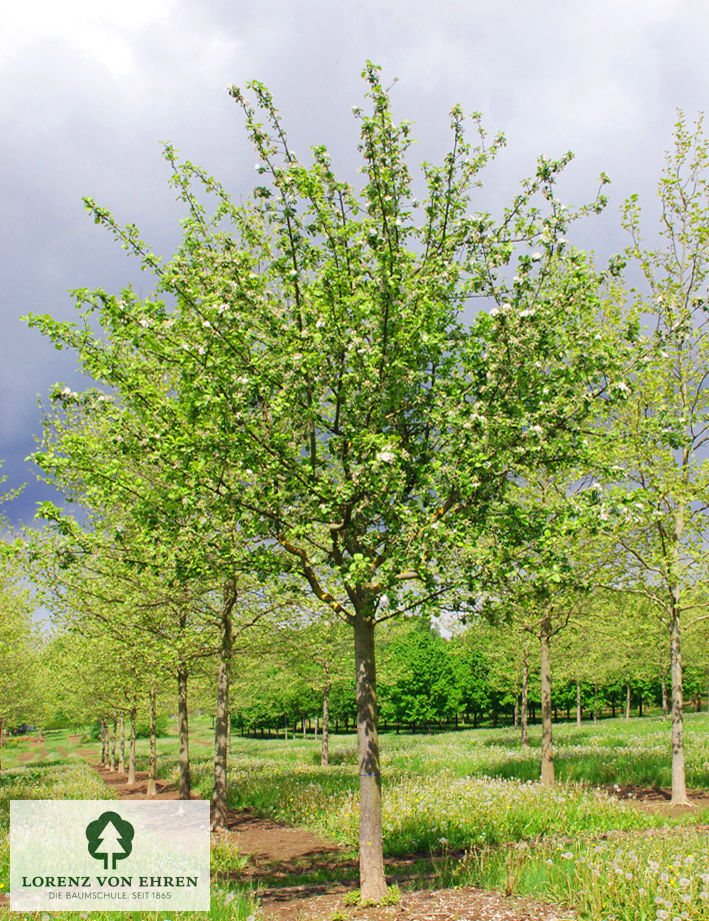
104, 741
665, 708
183, 728
131, 748
221, 720
595, 701
627, 700
547, 772
2, 738
302, 719
679, 789
122, 746
325, 752
525, 694
371, 862
114, 734
153, 760
515, 712
316, 728
578, 703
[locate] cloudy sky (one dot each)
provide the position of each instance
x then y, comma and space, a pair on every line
89, 89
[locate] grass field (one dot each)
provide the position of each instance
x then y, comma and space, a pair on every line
468, 799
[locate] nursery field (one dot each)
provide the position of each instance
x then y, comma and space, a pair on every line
460, 810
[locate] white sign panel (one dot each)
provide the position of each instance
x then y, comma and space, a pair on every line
110, 855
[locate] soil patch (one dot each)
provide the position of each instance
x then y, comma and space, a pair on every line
656, 800
279, 854
270, 843
433, 905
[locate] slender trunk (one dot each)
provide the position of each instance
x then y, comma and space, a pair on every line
153, 760
595, 701
131, 747
640, 705
221, 720
578, 702
371, 862
104, 741
316, 728
525, 694
122, 746
325, 753
183, 728
547, 772
303, 723
627, 700
114, 760
679, 788
665, 708
2, 737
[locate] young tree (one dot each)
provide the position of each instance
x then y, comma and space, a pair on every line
321, 378
663, 426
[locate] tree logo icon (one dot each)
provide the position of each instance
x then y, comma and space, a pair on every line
110, 839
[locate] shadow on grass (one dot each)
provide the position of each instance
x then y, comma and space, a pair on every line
316, 874
604, 769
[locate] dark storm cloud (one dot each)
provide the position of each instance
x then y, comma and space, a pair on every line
89, 91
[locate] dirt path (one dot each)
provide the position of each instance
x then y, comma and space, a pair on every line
427, 905
278, 853
118, 782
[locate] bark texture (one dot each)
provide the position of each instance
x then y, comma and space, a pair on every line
679, 788
184, 732
221, 719
371, 861
547, 772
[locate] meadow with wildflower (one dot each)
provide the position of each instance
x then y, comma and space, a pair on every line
462, 798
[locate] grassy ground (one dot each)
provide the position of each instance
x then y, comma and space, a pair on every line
469, 799
53, 769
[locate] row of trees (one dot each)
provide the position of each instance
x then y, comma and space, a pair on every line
426, 681
361, 403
